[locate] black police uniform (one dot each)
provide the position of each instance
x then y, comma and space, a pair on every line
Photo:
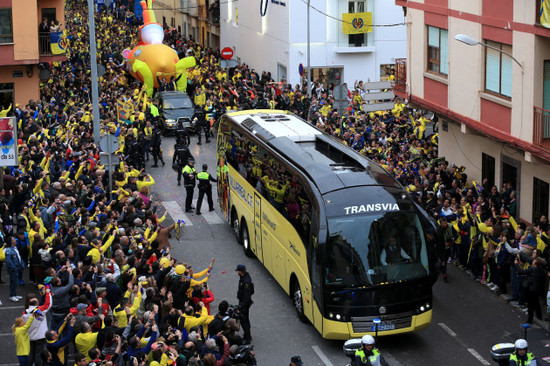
244, 295
205, 187
155, 146
200, 115
182, 155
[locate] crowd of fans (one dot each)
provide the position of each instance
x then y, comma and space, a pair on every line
108, 288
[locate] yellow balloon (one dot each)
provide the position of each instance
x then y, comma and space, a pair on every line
160, 58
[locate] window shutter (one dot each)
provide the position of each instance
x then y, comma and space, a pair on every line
433, 37
506, 76
546, 86
444, 53
492, 71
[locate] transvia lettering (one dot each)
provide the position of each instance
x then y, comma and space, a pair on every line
350, 210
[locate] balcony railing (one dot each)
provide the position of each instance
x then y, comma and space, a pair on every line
541, 128
400, 74
44, 44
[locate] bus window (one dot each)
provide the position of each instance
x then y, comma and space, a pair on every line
374, 249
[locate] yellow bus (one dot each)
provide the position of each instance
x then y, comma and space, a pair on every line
338, 233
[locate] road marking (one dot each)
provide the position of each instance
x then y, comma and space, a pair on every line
176, 212
6, 334
479, 357
447, 329
472, 351
322, 356
11, 307
212, 217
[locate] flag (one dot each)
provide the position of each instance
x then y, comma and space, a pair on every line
124, 110
356, 23
57, 43
544, 13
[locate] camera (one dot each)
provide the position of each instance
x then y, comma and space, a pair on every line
234, 311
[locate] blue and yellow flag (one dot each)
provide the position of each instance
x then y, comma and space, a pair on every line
57, 43
356, 23
544, 13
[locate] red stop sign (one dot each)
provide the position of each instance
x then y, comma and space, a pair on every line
227, 53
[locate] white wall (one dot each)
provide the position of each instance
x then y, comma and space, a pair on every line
283, 37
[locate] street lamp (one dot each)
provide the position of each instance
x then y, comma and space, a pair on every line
474, 42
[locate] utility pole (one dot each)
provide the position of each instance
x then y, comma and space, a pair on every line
308, 77
93, 66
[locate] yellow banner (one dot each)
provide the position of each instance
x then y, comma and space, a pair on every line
356, 23
545, 13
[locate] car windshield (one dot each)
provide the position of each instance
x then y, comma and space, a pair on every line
366, 250
176, 103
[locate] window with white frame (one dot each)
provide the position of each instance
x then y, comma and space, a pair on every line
438, 50
355, 40
498, 69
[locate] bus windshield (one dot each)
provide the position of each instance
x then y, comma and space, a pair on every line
367, 250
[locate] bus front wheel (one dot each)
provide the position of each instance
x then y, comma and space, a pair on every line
235, 226
245, 238
298, 301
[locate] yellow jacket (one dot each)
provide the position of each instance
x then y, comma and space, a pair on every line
22, 340
85, 342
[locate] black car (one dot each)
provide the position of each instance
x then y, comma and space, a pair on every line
176, 106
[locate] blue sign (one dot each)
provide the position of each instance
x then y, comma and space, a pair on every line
301, 70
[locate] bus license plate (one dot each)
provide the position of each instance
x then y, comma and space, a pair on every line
383, 327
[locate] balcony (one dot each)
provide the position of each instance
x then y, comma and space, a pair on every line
400, 86
541, 128
44, 44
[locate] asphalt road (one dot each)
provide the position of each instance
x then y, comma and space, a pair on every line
468, 318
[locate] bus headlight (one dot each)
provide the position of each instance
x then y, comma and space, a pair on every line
331, 315
422, 308
338, 317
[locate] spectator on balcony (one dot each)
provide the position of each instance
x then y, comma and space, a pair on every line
43, 27
55, 26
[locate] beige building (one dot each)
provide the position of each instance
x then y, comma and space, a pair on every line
492, 99
192, 18
22, 47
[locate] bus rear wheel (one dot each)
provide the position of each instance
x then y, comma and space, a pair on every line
298, 301
245, 238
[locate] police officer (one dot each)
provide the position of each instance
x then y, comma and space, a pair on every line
156, 135
132, 151
189, 180
182, 133
244, 295
200, 115
205, 187
521, 357
181, 157
367, 354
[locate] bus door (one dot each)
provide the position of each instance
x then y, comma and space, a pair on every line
257, 248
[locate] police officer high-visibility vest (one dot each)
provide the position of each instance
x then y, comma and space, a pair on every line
374, 358
531, 361
204, 180
189, 176
154, 110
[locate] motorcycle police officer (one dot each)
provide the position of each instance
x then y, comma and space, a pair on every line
244, 295
181, 156
156, 135
182, 133
205, 187
189, 180
367, 354
521, 357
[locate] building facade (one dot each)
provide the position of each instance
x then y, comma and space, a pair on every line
22, 47
492, 99
271, 35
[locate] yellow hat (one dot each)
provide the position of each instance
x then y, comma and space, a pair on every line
180, 269
164, 262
